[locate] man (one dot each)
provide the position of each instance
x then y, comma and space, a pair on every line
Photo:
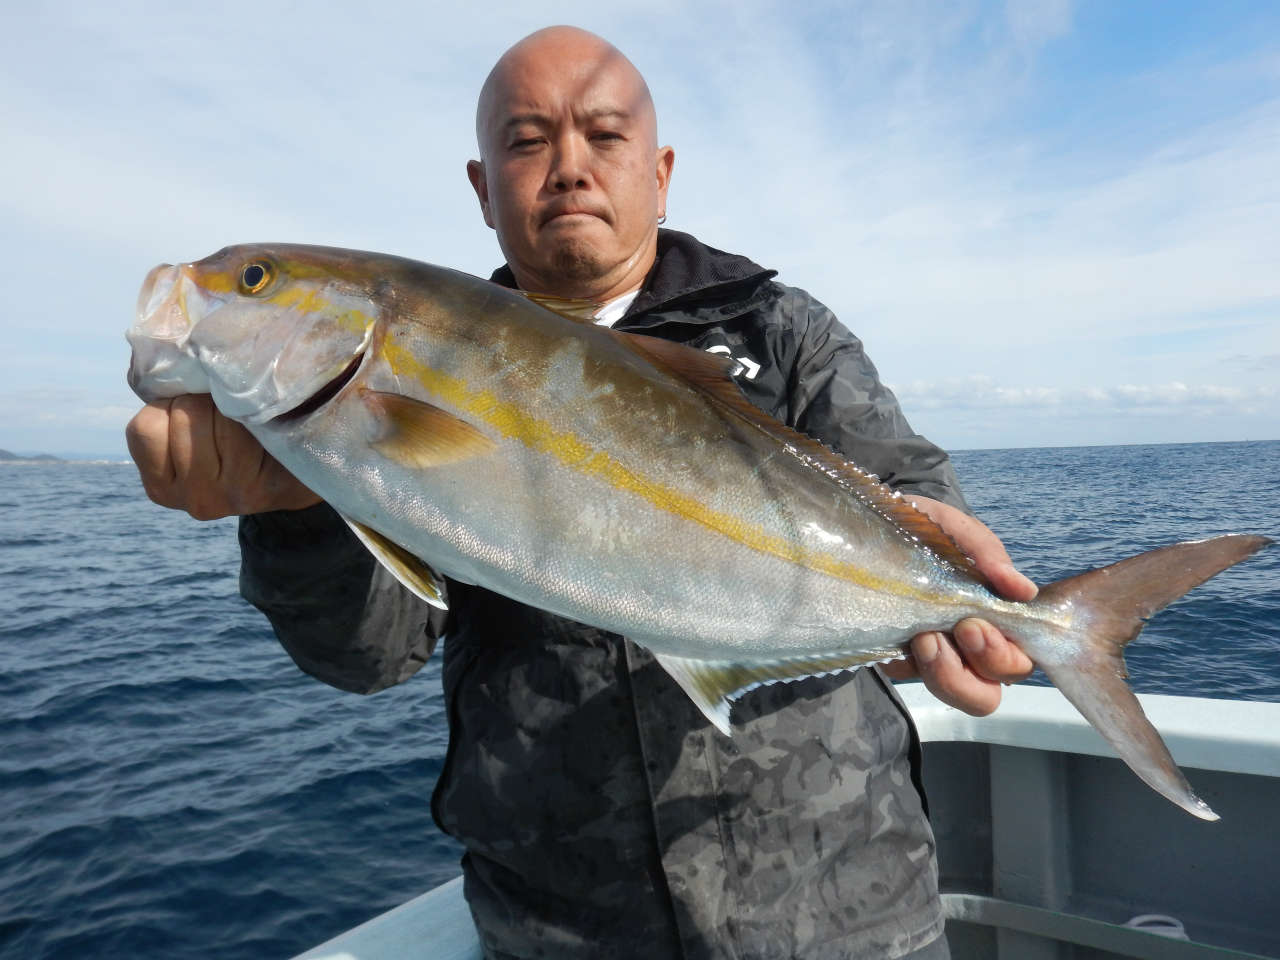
601, 814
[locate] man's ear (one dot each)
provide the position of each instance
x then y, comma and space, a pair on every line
475, 173
666, 162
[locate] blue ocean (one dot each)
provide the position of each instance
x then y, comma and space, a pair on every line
172, 786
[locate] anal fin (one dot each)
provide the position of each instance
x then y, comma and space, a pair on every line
417, 577
713, 684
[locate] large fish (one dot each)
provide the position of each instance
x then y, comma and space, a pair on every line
616, 479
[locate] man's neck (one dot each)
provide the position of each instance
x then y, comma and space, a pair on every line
622, 279
597, 291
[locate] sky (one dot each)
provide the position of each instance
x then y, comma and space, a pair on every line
1050, 222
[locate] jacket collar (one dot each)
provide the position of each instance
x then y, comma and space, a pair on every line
686, 270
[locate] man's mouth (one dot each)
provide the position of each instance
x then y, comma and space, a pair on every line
570, 216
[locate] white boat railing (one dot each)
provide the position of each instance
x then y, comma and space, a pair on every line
1213, 735
1236, 736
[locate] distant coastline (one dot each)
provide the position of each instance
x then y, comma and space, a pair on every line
36, 459
5, 455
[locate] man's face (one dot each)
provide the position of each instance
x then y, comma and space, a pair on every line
572, 179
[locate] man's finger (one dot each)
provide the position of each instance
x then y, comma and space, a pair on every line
240, 455
147, 436
283, 489
982, 546
198, 462
904, 669
195, 455
1009, 583
949, 679
992, 560
254, 480
988, 654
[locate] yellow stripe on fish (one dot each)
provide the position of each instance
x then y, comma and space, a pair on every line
512, 422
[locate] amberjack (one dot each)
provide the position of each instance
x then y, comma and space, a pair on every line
466, 430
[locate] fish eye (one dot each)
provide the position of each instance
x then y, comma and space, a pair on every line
255, 276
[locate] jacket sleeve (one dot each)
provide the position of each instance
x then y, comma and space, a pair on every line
342, 617
837, 396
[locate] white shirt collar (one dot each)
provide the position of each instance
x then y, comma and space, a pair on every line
612, 311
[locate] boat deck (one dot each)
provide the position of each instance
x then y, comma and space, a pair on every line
1047, 844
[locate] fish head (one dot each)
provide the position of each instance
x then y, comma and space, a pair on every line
262, 328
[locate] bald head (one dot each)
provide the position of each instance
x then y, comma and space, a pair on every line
570, 174
576, 56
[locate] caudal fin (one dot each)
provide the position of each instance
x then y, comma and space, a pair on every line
1113, 604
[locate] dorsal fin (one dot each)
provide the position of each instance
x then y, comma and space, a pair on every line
713, 375
582, 311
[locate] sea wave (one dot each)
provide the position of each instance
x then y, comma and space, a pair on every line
174, 787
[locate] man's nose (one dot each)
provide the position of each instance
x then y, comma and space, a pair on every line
570, 167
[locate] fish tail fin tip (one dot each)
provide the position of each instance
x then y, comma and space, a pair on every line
1113, 604
1131, 591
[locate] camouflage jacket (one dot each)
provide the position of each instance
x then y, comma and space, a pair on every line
602, 815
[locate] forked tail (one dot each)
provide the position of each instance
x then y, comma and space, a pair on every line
1113, 604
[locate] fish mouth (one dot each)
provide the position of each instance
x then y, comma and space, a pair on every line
324, 394
160, 365
157, 306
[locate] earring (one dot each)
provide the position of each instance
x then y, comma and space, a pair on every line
662, 219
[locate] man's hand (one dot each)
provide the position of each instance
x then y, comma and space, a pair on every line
966, 672
193, 458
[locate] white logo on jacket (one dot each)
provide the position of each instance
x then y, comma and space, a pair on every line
751, 367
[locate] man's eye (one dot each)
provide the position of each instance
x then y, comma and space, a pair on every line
525, 143
606, 135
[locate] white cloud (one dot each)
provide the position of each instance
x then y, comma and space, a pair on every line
1189, 229
907, 162
68, 418
983, 393
1264, 363
1034, 22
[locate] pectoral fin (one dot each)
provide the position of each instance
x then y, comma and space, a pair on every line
416, 576
713, 684
417, 434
